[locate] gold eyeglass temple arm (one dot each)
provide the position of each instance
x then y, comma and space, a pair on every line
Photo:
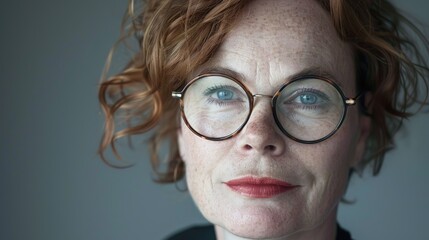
175, 94
350, 101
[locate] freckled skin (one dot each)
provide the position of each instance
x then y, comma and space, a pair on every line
271, 41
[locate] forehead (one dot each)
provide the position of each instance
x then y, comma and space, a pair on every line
274, 17
282, 37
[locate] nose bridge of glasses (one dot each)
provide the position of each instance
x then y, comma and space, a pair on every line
258, 95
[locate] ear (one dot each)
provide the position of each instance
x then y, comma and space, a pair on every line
364, 131
180, 142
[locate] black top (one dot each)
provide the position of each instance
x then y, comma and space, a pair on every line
208, 233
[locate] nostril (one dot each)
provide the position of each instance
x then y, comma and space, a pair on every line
247, 147
270, 148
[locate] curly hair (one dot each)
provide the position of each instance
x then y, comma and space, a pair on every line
177, 36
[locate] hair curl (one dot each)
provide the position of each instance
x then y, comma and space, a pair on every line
177, 36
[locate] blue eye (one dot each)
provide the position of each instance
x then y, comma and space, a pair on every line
224, 94
308, 98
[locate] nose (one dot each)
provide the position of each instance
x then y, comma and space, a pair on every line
261, 134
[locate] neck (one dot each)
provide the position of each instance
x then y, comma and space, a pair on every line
327, 230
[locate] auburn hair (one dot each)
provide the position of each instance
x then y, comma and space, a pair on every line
177, 36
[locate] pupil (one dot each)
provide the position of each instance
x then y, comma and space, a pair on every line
308, 99
224, 95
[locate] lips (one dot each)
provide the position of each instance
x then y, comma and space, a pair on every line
259, 187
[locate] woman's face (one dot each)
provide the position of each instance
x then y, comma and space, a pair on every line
272, 41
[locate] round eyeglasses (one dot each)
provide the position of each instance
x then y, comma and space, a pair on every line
308, 109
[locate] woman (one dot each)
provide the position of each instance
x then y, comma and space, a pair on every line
280, 102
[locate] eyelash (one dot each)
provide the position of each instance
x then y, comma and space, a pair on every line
211, 90
318, 93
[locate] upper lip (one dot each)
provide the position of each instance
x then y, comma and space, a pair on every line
251, 180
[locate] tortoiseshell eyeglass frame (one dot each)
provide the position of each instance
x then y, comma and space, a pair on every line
251, 97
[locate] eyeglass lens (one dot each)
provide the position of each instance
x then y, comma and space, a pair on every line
306, 109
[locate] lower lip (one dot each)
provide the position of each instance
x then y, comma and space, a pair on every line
260, 190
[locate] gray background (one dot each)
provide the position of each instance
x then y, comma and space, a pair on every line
52, 184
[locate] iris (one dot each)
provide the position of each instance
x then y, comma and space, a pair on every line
308, 98
225, 94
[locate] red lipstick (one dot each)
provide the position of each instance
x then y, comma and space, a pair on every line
259, 187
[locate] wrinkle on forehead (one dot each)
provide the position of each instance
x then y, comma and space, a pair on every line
278, 37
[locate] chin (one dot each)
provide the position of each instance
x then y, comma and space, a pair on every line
260, 223
261, 231
272, 221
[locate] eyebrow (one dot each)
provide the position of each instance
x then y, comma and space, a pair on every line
222, 70
309, 71
315, 71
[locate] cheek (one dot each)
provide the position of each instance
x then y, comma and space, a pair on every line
197, 167
192, 150
336, 157
327, 168
201, 159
